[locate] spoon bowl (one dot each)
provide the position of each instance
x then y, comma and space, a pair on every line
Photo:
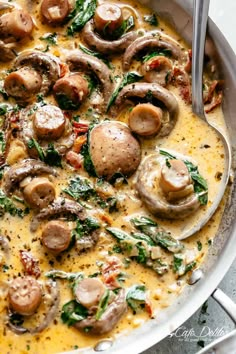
200, 16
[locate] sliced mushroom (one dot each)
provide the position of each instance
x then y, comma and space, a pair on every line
158, 70
55, 11
22, 170
47, 65
77, 60
145, 119
166, 188
25, 295
114, 149
7, 51
105, 46
60, 207
46, 124
70, 91
23, 83
51, 300
39, 192
143, 90
109, 318
89, 292
49, 122
17, 23
56, 236
152, 40
108, 18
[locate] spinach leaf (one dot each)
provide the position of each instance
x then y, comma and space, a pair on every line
151, 19
2, 142
60, 274
65, 103
136, 297
161, 52
82, 189
143, 221
160, 267
7, 206
199, 183
143, 237
73, 312
128, 78
16, 319
3, 109
124, 28
50, 38
160, 237
117, 233
52, 157
142, 253
96, 55
179, 265
103, 303
32, 143
199, 245
88, 163
83, 12
166, 241
85, 227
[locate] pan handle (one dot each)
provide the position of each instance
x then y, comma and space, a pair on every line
226, 303
227, 343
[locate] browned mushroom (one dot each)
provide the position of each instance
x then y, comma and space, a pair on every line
77, 60
25, 295
109, 318
145, 119
89, 292
55, 11
157, 69
108, 18
23, 169
46, 124
56, 236
17, 23
70, 91
109, 143
51, 300
49, 122
39, 192
23, 83
143, 90
105, 46
47, 65
152, 40
166, 187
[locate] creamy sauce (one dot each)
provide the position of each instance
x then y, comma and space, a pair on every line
189, 137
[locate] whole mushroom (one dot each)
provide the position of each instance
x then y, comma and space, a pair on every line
166, 187
113, 149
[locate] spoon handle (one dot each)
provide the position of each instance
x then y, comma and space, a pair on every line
200, 18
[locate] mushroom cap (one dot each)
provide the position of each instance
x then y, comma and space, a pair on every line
113, 149
150, 192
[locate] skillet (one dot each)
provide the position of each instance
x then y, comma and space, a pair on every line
222, 253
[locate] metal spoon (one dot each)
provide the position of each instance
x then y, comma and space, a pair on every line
200, 18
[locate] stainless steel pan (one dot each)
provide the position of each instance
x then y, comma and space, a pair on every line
223, 251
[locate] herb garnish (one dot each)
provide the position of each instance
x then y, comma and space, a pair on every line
82, 13
73, 312
199, 183
96, 55
128, 78
151, 19
136, 297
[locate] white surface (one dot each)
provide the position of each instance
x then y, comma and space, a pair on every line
223, 13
